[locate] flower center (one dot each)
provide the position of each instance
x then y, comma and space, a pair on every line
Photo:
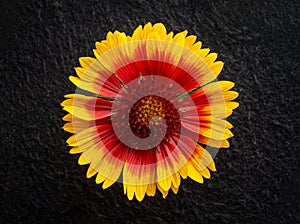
152, 111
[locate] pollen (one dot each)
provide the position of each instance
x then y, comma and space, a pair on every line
152, 110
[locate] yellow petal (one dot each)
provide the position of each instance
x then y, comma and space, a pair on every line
197, 46
96, 53
232, 105
184, 171
180, 38
75, 80
212, 166
88, 86
169, 36
100, 178
85, 62
174, 189
225, 85
91, 172
153, 36
82, 160
205, 172
164, 193
137, 33
228, 125
165, 184
176, 180
67, 117
130, 189
147, 29
216, 132
217, 67
160, 29
107, 183
213, 142
75, 150
230, 95
115, 39
70, 96
83, 107
86, 74
209, 59
101, 47
194, 174
68, 127
190, 40
83, 137
140, 192
203, 52
151, 189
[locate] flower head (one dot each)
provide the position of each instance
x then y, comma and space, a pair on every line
146, 110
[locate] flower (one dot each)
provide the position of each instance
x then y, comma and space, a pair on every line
146, 110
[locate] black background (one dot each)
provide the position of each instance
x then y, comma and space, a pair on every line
258, 177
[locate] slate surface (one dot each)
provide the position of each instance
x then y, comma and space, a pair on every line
258, 177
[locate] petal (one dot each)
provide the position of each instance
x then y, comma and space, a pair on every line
164, 193
212, 166
137, 33
68, 127
230, 95
180, 38
130, 190
194, 174
75, 150
184, 171
205, 173
67, 117
190, 40
151, 189
107, 183
82, 160
209, 59
213, 142
217, 67
174, 189
100, 178
139, 168
176, 180
91, 172
147, 29
160, 29
140, 192
85, 62
87, 108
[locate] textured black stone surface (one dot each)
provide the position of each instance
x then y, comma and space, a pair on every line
258, 177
